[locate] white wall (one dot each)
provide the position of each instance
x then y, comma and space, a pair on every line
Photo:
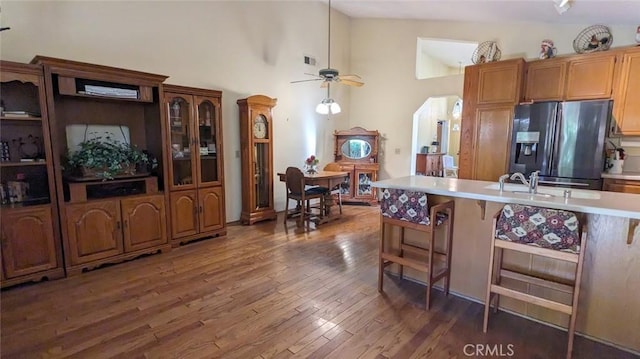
240, 47
383, 52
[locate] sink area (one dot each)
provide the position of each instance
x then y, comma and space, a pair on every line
545, 191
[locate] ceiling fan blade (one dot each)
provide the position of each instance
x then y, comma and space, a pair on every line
293, 82
350, 82
350, 77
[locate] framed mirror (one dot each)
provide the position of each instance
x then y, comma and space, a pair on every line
356, 149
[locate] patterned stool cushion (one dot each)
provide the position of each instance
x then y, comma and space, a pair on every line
541, 227
407, 206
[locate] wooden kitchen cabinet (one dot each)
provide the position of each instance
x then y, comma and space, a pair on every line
493, 138
626, 103
590, 76
545, 80
500, 82
486, 125
28, 243
620, 185
144, 223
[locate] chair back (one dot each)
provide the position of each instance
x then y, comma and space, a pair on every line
294, 179
447, 161
333, 167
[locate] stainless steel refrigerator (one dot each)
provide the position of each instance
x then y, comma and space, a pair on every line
563, 140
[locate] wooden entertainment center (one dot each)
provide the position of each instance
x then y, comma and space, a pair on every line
52, 105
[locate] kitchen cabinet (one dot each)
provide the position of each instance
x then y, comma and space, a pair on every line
356, 151
30, 233
486, 125
429, 164
493, 138
545, 80
590, 76
499, 82
108, 230
626, 104
28, 243
621, 185
196, 177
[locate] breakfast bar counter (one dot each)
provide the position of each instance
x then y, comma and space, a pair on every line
609, 304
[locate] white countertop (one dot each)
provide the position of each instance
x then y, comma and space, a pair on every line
632, 176
585, 201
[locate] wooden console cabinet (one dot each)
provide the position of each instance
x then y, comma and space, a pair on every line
429, 164
195, 163
107, 221
356, 151
29, 231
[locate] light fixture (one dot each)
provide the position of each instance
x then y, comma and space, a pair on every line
561, 5
328, 105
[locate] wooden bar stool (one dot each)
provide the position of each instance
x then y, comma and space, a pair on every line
542, 232
409, 210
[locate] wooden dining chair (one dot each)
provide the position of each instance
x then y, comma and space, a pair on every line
337, 189
294, 180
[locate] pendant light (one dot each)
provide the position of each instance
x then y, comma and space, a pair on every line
328, 105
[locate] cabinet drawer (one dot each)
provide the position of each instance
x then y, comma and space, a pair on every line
624, 186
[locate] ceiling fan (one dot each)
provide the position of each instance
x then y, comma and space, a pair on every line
332, 75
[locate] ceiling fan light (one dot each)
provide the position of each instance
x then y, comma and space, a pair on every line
334, 108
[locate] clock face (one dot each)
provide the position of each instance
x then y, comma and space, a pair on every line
260, 127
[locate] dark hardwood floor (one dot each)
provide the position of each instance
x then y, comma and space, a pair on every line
263, 292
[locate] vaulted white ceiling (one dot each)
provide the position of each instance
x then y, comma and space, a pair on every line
606, 12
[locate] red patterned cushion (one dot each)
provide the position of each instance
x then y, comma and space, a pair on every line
541, 227
408, 206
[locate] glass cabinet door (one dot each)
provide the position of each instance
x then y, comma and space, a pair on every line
363, 183
182, 150
208, 127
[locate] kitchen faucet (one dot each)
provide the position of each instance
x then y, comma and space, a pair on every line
532, 183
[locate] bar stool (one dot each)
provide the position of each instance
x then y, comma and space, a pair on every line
409, 210
543, 232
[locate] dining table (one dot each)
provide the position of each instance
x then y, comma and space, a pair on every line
327, 179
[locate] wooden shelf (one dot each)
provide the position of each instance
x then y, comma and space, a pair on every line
20, 118
19, 164
44, 202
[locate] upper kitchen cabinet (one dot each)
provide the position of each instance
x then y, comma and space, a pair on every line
626, 106
590, 76
545, 80
500, 82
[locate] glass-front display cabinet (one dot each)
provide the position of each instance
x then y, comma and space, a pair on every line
356, 151
196, 180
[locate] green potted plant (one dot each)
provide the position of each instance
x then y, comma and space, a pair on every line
105, 158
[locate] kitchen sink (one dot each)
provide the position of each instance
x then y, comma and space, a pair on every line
545, 191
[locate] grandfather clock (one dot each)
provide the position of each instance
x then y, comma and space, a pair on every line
256, 141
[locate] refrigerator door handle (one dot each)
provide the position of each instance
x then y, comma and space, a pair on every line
555, 129
576, 184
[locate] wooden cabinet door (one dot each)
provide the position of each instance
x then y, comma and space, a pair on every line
626, 104
624, 186
211, 209
144, 222
94, 230
590, 77
362, 180
545, 80
184, 218
27, 242
493, 137
500, 82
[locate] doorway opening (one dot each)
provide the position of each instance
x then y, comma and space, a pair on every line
436, 130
